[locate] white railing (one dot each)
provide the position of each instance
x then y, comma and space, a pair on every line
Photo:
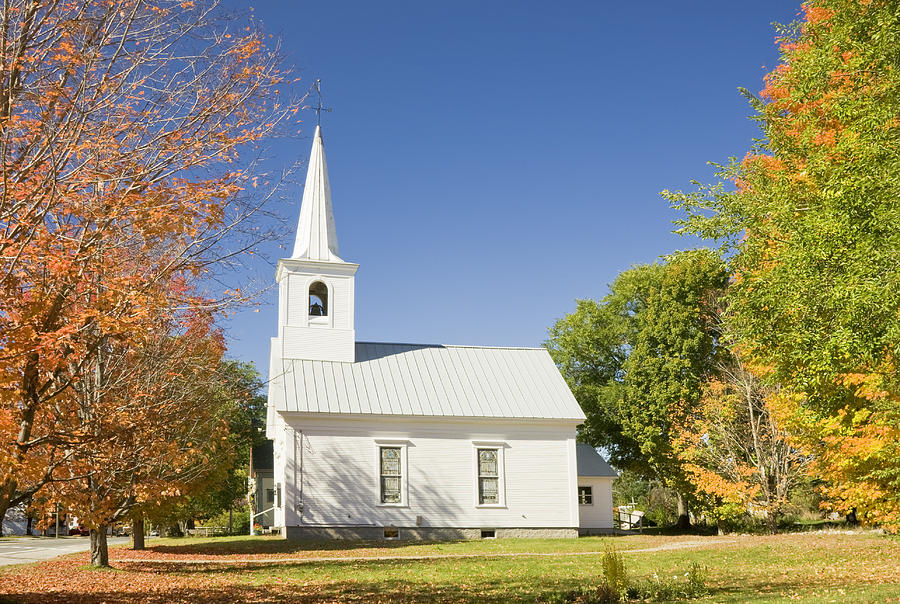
207, 531
254, 516
626, 518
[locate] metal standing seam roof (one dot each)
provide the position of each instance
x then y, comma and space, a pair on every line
428, 380
591, 463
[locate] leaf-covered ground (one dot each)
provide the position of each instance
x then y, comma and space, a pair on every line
812, 567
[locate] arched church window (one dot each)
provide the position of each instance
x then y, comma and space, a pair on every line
318, 300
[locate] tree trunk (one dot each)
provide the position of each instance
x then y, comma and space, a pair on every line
137, 531
29, 526
230, 521
4, 505
684, 519
99, 549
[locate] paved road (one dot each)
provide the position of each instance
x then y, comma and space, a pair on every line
19, 550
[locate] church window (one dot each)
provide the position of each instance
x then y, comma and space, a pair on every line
318, 299
391, 475
585, 496
488, 476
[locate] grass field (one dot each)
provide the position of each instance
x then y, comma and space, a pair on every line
811, 567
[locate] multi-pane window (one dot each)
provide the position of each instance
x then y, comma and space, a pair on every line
391, 477
488, 476
585, 497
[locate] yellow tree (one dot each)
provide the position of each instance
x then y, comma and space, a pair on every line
736, 455
813, 227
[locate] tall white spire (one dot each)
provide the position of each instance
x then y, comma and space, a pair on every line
316, 234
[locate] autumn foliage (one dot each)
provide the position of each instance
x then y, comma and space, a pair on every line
125, 135
735, 452
813, 229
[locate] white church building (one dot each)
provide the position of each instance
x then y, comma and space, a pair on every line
376, 440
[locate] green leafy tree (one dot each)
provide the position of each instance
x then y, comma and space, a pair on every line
242, 387
238, 395
590, 346
637, 360
673, 356
811, 223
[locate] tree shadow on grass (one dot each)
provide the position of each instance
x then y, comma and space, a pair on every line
700, 530
254, 545
275, 568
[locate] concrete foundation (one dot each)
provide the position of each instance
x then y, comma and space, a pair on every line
586, 532
418, 533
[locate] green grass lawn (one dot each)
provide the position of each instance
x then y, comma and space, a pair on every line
811, 567
274, 546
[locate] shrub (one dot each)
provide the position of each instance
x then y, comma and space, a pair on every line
240, 520
658, 503
615, 586
658, 589
614, 577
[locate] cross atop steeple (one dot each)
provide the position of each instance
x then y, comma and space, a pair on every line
320, 107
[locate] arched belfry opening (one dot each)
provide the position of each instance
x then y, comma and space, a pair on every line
318, 299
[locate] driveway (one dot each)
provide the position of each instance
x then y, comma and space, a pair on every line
19, 550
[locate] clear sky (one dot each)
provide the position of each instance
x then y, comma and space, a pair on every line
490, 162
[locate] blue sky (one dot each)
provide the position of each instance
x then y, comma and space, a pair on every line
491, 162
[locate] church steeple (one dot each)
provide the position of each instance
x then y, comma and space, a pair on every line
315, 286
316, 234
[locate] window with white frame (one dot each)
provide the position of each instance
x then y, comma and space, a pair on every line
391, 464
585, 496
488, 476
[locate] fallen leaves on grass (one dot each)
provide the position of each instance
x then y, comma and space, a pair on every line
809, 566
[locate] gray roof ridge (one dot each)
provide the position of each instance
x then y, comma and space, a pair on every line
424, 345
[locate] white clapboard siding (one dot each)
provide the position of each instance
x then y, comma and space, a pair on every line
598, 514
338, 473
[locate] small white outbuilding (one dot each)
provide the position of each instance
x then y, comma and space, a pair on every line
595, 479
400, 441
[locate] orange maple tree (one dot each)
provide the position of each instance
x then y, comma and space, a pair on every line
126, 135
737, 456
147, 425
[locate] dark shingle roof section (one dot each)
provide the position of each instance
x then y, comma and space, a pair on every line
590, 463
